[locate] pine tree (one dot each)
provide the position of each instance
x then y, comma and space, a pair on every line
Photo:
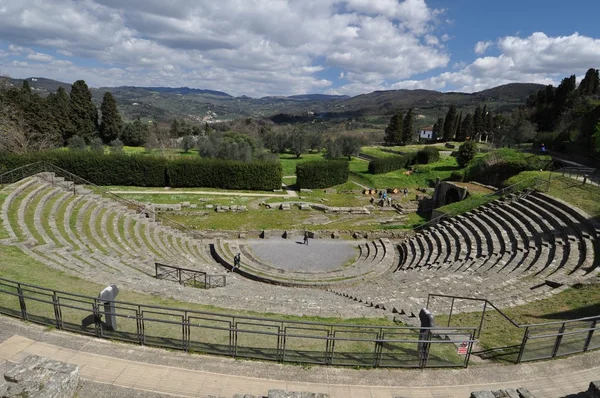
111, 119
449, 123
407, 127
83, 112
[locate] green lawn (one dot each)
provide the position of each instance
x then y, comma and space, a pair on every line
423, 175
289, 162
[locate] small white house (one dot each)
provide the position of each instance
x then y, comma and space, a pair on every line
426, 133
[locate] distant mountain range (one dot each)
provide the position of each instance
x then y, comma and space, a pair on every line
164, 103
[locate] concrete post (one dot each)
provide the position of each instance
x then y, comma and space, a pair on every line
107, 296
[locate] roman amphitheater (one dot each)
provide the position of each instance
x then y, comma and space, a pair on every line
310, 316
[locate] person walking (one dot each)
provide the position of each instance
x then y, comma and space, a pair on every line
306, 238
236, 262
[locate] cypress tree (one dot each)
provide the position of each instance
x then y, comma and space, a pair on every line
393, 132
466, 130
83, 112
457, 125
438, 128
449, 123
478, 120
407, 127
111, 119
589, 84
59, 107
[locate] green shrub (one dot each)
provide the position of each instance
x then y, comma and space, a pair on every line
226, 174
466, 153
457, 176
321, 174
411, 158
385, 165
428, 155
496, 167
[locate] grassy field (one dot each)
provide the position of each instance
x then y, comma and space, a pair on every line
422, 175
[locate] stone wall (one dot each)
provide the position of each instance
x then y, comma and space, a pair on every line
447, 192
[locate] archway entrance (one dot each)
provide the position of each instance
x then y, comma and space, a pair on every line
452, 196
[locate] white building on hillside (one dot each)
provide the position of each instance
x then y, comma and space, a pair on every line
426, 133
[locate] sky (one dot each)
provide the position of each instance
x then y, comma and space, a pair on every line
285, 47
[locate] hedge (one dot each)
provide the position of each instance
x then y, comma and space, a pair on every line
153, 171
385, 165
322, 173
428, 155
224, 174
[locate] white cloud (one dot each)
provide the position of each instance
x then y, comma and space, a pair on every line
253, 48
40, 57
482, 46
535, 59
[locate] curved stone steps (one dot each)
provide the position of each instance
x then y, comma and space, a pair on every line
542, 260
73, 211
584, 239
531, 252
59, 202
555, 251
42, 215
23, 205
108, 233
563, 237
83, 219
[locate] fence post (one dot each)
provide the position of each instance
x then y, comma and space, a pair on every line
281, 342
22, 302
330, 346
468, 356
558, 340
523, 344
140, 325
57, 312
378, 349
97, 323
590, 334
186, 332
451, 308
482, 317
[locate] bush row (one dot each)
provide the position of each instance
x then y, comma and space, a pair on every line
152, 171
321, 174
385, 165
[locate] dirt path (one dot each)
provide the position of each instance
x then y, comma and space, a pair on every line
290, 194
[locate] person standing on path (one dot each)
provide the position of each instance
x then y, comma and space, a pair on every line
306, 238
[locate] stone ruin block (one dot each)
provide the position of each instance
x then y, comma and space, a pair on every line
38, 377
285, 206
335, 235
304, 206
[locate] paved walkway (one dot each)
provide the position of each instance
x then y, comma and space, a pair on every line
172, 192
180, 374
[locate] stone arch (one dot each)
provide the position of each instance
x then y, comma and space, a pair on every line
452, 196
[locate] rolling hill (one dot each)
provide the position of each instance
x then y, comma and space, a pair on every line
164, 103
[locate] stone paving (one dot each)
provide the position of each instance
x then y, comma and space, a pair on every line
131, 368
292, 254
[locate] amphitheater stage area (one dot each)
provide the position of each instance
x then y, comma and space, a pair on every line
293, 255
113, 369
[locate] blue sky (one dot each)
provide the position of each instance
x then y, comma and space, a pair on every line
287, 47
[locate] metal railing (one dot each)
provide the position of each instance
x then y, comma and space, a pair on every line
188, 277
542, 340
240, 336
